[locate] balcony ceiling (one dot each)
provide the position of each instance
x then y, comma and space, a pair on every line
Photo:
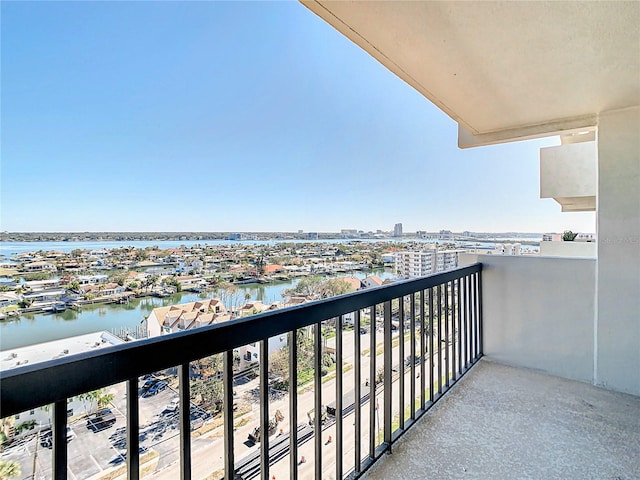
503, 70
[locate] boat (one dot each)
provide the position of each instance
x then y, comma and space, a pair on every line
59, 308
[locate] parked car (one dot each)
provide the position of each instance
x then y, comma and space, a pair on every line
46, 437
155, 388
173, 405
101, 420
150, 382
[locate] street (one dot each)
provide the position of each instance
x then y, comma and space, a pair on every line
92, 453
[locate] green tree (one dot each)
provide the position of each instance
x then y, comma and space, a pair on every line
119, 278
210, 392
279, 360
260, 265
334, 287
175, 283
24, 303
9, 469
141, 255
308, 287
37, 276
569, 236
94, 399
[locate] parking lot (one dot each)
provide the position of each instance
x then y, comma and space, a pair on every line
92, 450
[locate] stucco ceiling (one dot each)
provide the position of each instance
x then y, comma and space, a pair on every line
503, 70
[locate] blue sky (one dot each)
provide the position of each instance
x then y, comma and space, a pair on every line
244, 116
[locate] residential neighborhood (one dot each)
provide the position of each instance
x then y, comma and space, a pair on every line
45, 281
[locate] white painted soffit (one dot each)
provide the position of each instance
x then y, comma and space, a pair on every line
503, 70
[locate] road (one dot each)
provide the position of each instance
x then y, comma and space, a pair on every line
208, 457
91, 453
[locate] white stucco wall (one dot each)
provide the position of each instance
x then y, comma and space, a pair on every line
618, 223
568, 249
568, 170
539, 312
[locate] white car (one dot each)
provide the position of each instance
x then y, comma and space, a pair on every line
173, 405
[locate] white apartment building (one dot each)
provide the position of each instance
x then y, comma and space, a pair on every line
426, 262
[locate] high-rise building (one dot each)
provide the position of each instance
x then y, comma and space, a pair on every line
426, 262
397, 230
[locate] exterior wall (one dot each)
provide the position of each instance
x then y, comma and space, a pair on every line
419, 264
538, 312
618, 310
153, 327
568, 174
253, 349
568, 249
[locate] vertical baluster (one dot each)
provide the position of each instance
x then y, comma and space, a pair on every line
467, 322
475, 316
454, 347
439, 340
474, 330
227, 379
264, 409
293, 405
339, 393
401, 359
459, 326
388, 381
185, 422
133, 427
432, 346
317, 423
425, 333
373, 434
357, 361
480, 339
59, 439
412, 306
447, 357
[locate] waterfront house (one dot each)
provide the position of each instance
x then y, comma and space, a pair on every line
353, 282
170, 319
273, 268
39, 266
102, 290
42, 297
91, 279
371, 281
38, 285
187, 282
8, 298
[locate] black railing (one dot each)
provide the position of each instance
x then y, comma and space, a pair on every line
438, 318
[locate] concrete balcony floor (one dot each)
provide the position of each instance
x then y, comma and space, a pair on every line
502, 422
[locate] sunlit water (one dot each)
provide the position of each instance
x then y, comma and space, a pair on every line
37, 328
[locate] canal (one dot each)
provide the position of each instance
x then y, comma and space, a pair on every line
30, 329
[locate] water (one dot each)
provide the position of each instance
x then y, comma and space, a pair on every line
10, 249
30, 329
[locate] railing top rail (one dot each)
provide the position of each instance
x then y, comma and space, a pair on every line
30, 386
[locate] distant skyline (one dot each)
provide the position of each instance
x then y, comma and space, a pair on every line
235, 116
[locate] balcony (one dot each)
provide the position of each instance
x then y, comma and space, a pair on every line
506, 422
526, 410
423, 336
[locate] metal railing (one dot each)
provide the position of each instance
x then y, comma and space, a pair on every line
431, 331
